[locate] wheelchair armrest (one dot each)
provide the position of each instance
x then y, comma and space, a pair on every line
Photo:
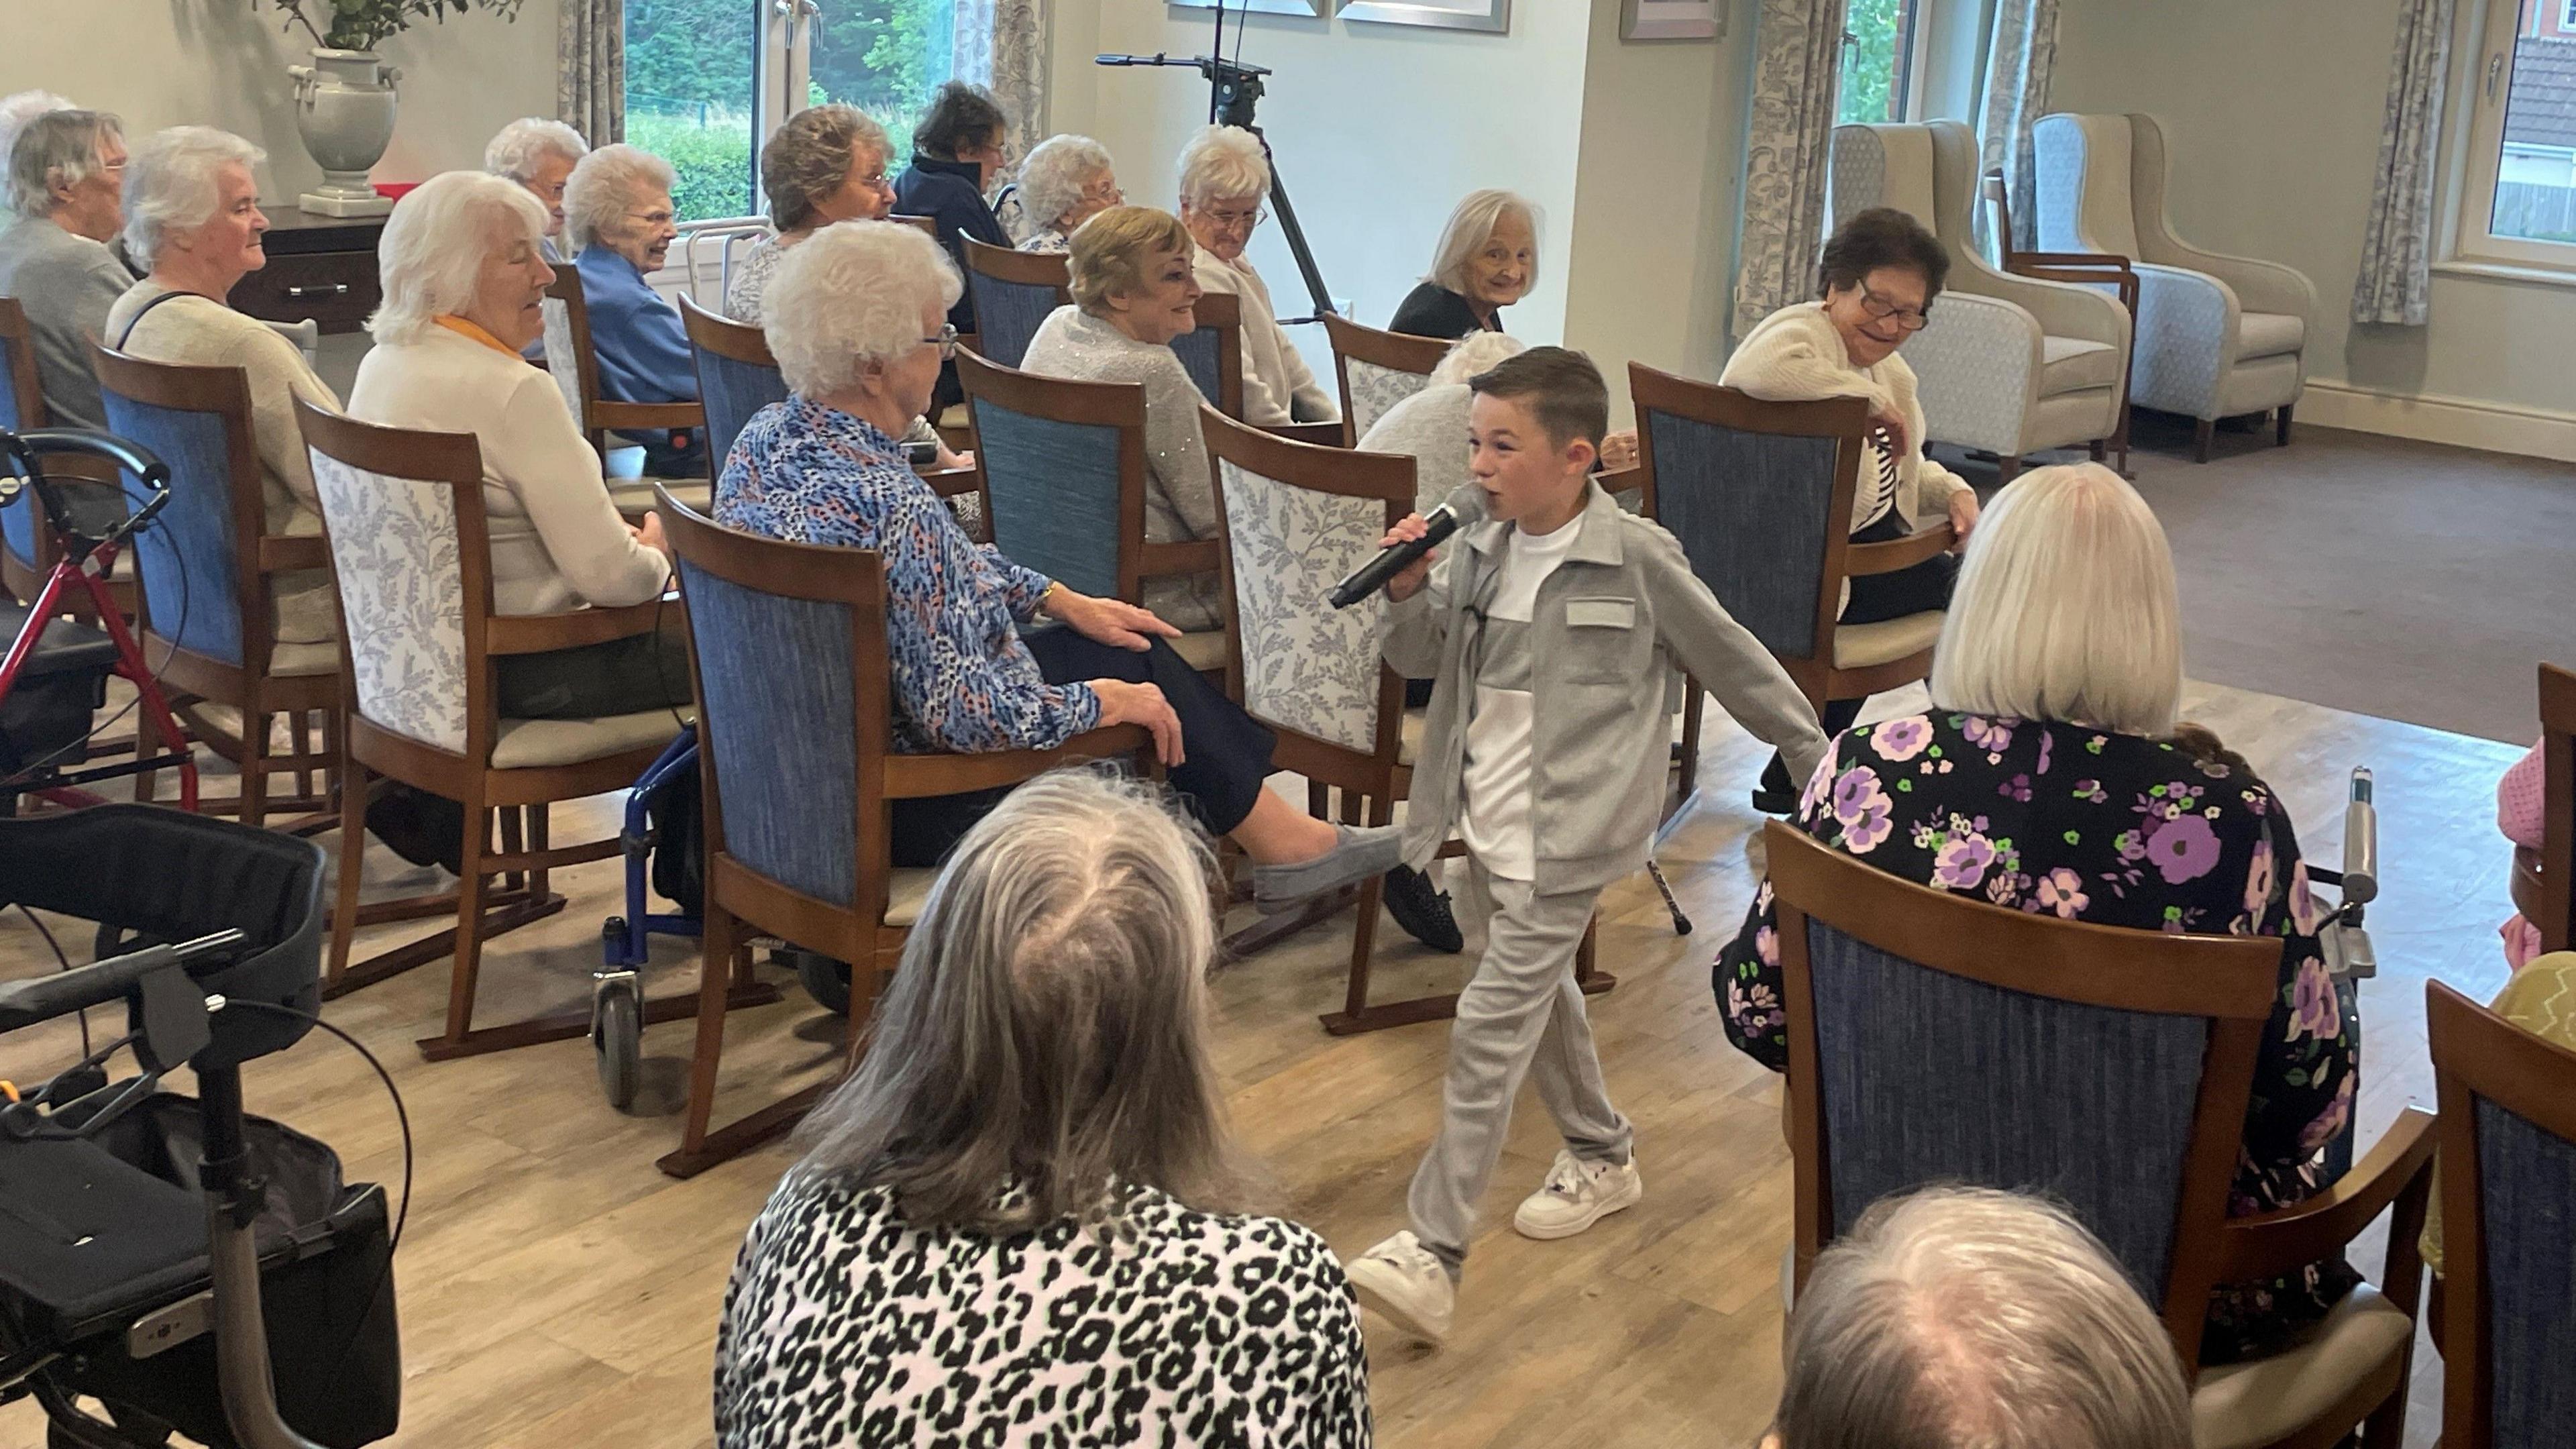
1861, 559
538, 633
2400, 1166
1198, 556
910, 777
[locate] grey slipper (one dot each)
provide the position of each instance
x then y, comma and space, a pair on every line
1357, 854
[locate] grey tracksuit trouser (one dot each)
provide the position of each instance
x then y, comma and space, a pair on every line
1521, 1015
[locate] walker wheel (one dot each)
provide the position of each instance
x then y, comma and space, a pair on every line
617, 1036
826, 980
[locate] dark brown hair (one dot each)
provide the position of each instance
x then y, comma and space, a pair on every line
961, 116
1564, 390
1883, 237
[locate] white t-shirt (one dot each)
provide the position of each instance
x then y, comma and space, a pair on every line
1495, 821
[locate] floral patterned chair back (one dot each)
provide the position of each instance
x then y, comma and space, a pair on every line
1378, 369
1306, 666
567, 340
398, 550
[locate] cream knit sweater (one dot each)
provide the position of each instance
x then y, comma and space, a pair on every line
1795, 355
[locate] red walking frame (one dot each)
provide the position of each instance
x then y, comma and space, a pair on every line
72, 571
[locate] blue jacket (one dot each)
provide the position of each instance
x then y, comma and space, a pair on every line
945, 191
643, 350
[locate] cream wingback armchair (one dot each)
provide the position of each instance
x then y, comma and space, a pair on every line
2008, 365
2218, 336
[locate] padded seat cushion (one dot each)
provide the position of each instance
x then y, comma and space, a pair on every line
2071, 364
1409, 738
906, 893
2269, 334
526, 744
1859, 646
1203, 651
288, 660
2241, 1405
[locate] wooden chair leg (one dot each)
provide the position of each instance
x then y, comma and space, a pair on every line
2120, 440
353, 851
2098, 449
147, 743
2007, 468
1694, 709
512, 844
253, 764
2281, 427
2202, 433
721, 949
539, 824
469, 919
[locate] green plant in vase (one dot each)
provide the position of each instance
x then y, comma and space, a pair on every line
364, 24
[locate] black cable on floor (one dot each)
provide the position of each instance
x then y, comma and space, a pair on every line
403, 1118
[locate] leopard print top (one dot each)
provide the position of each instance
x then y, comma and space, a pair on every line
845, 1327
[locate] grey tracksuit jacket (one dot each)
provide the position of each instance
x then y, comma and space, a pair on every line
1611, 623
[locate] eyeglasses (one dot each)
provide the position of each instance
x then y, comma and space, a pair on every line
1912, 319
654, 218
1106, 191
946, 342
878, 182
1238, 220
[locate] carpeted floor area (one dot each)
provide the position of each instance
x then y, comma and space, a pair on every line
2406, 580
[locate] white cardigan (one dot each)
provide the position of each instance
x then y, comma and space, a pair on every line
557, 541
1277, 385
1795, 355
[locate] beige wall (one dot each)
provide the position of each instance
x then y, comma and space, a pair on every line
2273, 116
221, 63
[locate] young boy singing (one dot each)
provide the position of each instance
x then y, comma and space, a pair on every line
1551, 628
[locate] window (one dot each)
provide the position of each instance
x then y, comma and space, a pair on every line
1879, 50
2519, 191
708, 80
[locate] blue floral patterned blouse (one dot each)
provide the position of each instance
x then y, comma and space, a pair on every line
2117, 830
963, 681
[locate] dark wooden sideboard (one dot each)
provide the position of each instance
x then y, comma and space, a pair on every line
322, 267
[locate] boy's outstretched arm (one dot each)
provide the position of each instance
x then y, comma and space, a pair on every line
1730, 663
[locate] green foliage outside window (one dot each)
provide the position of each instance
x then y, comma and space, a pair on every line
1873, 39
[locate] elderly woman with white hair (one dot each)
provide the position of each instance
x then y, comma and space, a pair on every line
619, 221
856, 318
2050, 776
1487, 260
192, 221
1064, 181
1033, 1160
539, 154
63, 170
1970, 1316
826, 164
1225, 177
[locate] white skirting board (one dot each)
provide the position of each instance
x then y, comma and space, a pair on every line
2459, 421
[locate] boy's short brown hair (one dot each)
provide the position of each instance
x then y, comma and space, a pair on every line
1562, 387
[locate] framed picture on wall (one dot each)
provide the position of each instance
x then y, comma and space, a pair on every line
1672, 19
1488, 15
1311, 9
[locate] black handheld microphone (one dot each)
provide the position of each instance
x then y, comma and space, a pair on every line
1463, 507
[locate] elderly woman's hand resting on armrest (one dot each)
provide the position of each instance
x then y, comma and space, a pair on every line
1126, 626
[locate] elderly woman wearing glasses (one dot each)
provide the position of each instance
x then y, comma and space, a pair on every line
1066, 181
1224, 176
856, 319
1881, 271
827, 164
620, 222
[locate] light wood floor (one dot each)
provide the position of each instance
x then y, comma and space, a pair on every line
557, 1291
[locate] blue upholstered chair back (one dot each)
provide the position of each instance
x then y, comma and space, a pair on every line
2527, 1196
779, 697
1928, 1077
1751, 511
1007, 314
733, 390
18, 520
188, 556
1054, 491
1198, 351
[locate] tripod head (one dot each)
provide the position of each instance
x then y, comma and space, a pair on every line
1236, 87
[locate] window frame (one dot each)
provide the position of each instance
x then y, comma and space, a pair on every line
2485, 91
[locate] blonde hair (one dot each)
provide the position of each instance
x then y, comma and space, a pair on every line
1046, 1028
1221, 162
1471, 226
1970, 1316
430, 258
2065, 608
1477, 352
603, 186
1110, 251
851, 294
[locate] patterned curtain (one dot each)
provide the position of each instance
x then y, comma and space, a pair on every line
1799, 60
590, 69
2396, 242
2023, 53
1002, 46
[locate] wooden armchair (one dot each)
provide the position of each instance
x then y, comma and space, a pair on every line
575, 367
1377, 370
2089, 269
2544, 881
1013, 292
27, 552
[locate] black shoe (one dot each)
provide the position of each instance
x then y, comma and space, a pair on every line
422, 828
1776, 802
1421, 911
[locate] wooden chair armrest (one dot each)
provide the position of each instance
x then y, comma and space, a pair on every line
2280, 1242
2106, 261
910, 777
1620, 480
1199, 556
2526, 882
292, 551
1899, 553
1325, 434
539, 633
620, 416
951, 482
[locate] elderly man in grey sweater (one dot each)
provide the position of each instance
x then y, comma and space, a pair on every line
64, 168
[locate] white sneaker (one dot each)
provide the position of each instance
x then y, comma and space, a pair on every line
1401, 1280
1577, 1194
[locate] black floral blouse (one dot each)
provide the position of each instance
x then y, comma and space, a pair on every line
2119, 831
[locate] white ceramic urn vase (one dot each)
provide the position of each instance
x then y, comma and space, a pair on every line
344, 109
